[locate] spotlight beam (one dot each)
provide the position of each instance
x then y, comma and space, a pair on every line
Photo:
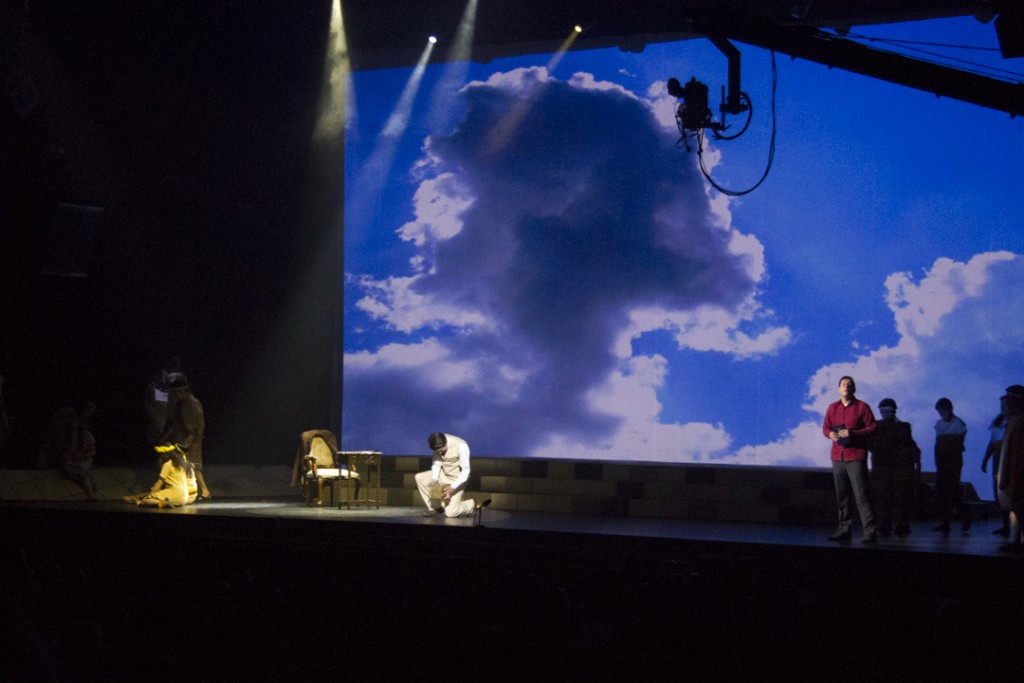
503, 131
399, 118
455, 70
564, 47
369, 182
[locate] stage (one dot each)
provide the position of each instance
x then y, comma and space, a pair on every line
272, 586
291, 510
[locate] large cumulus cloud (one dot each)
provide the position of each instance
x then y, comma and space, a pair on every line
553, 225
959, 328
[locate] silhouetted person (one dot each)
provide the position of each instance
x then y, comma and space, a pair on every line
5, 423
849, 424
69, 446
895, 466
156, 399
995, 443
185, 425
950, 432
1011, 466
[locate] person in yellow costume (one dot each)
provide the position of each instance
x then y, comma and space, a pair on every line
176, 485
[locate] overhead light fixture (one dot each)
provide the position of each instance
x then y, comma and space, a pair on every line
799, 9
1010, 30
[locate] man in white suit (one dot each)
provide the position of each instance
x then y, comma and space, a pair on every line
447, 477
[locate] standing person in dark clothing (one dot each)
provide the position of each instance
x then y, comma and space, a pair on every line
995, 444
156, 399
185, 425
950, 432
1011, 467
69, 446
849, 424
5, 424
895, 466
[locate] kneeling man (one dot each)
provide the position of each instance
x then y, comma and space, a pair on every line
447, 477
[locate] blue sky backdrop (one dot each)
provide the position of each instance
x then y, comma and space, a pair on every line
531, 261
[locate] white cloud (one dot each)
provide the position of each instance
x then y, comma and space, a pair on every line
631, 396
391, 356
959, 321
585, 81
431, 364
519, 82
538, 264
707, 328
960, 329
438, 204
920, 308
803, 446
395, 302
663, 105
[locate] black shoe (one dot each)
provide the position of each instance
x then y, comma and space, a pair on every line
482, 504
942, 528
966, 526
870, 538
1001, 531
840, 536
430, 513
902, 531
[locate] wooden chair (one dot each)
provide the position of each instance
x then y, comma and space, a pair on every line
315, 463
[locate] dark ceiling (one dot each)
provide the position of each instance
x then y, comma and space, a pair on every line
387, 33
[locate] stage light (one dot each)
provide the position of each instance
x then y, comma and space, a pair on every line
577, 28
798, 10
432, 39
335, 97
453, 77
500, 135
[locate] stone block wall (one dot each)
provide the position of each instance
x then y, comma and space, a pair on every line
709, 493
694, 492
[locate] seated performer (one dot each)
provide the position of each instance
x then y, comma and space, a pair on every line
176, 485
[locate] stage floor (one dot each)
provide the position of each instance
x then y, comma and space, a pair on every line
608, 596
979, 541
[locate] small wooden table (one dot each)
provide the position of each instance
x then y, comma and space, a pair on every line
364, 466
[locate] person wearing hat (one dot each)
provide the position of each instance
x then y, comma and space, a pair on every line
895, 466
176, 485
156, 400
950, 432
185, 424
1011, 466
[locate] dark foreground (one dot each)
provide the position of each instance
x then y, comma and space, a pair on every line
265, 589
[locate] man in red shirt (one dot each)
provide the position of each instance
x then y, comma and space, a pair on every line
848, 424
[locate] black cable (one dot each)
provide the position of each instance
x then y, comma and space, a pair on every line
771, 150
976, 68
750, 115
